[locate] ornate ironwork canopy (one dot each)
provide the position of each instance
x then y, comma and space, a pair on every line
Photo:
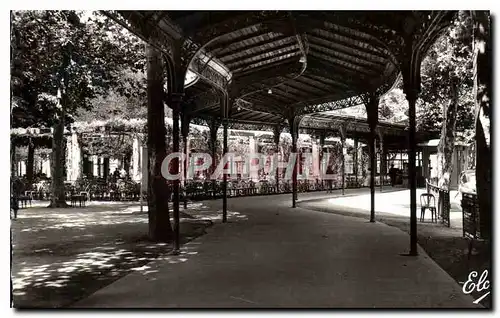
394, 135
271, 62
266, 66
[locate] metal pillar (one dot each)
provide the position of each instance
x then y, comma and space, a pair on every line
186, 158
382, 158
293, 122
294, 177
386, 161
176, 100
342, 139
225, 107
322, 137
185, 118
412, 175
276, 134
224, 174
411, 80
410, 59
356, 160
329, 182
372, 112
373, 167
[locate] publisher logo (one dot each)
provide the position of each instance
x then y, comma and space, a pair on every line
480, 285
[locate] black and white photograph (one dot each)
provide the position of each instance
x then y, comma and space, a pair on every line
250, 159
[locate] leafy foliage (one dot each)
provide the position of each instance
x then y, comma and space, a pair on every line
238, 145
449, 61
108, 145
114, 105
95, 49
447, 86
393, 106
60, 61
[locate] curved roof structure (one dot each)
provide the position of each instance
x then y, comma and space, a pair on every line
272, 62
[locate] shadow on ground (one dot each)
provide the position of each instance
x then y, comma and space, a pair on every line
62, 255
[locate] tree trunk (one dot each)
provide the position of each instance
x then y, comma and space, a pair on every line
482, 89
126, 163
30, 165
106, 168
99, 167
447, 140
58, 196
160, 229
13, 171
85, 165
57, 162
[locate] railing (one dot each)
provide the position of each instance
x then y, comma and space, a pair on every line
470, 218
96, 195
443, 202
205, 190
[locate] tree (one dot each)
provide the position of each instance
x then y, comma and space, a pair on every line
482, 98
128, 101
447, 84
160, 228
393, 106
61, 60
123, 111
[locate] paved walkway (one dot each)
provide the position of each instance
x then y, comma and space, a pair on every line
289, 258
393, 202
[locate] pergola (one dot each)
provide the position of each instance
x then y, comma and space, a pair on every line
274, 67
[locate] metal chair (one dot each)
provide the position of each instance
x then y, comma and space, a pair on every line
427, 201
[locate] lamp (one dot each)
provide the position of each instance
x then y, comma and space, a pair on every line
269, 91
